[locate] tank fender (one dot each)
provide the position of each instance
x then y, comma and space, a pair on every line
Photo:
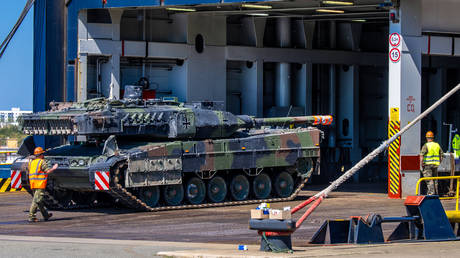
20, 164
27, 146
110, 146
103, 166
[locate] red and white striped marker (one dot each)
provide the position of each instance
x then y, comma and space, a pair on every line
323, 120
16, 179
101, 180
326, 120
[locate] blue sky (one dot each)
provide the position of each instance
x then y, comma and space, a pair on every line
16, 65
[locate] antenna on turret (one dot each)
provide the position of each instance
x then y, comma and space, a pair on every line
288, 113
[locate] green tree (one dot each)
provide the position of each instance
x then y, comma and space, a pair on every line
10, 132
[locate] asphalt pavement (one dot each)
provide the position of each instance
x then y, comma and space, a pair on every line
210, 232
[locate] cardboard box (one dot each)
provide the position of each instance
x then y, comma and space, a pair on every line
258, 214
279, 214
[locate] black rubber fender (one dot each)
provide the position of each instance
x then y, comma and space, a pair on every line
275, 225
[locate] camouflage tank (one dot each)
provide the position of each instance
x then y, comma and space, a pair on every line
161, 154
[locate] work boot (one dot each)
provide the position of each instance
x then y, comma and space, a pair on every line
33, 220
49, 216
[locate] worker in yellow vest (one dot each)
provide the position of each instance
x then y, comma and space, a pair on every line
38, 177
456, 145
430, 158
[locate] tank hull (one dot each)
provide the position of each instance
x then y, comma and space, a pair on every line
159, 166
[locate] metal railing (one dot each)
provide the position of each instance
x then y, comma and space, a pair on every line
442, 178
9, 151
7, 157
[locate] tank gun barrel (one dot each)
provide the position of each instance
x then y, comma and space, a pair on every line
298, 120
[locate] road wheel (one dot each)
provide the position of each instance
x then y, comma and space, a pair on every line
239, 188
262, 186
173, 194
195, 190
217, 189
150, 195
284, 184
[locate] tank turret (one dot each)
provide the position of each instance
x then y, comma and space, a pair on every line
163, 119
160, 154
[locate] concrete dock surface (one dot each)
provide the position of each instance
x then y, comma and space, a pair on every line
38, 247
210, 232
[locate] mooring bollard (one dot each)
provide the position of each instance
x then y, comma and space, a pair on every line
275, 234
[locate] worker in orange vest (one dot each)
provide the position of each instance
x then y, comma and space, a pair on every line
38, 176
430, 159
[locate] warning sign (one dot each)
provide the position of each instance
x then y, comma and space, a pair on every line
411, 104
395, 39
395, 55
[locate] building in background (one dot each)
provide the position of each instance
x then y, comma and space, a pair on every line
362, 61
10, 117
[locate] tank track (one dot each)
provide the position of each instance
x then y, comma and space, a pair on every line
52, 203
128, 199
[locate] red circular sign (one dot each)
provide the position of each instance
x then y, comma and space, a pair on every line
395, 39
395, 55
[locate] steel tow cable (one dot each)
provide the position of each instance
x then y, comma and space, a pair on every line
18, 23
319, 197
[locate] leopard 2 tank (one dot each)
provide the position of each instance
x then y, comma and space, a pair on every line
161, 154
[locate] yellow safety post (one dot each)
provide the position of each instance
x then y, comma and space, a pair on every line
454, 216
394, 167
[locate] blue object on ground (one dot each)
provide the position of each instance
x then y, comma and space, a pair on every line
5, 171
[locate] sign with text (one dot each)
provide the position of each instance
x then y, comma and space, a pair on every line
395, 55
395, 39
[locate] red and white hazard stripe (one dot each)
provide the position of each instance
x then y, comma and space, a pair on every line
326, 120
16, 179
323, 120
101, 180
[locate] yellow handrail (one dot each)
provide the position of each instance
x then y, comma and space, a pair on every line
5, 152
441, 178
